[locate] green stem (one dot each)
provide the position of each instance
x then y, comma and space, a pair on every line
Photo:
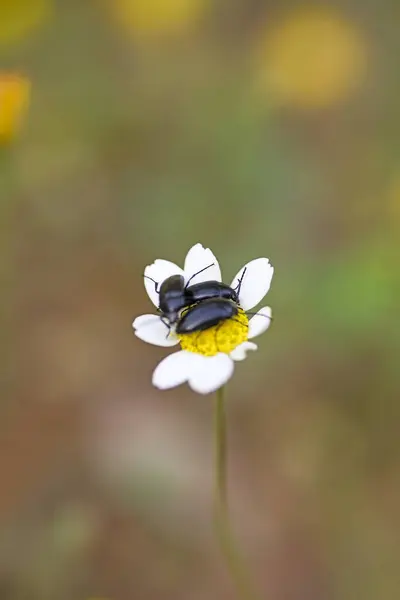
234, 560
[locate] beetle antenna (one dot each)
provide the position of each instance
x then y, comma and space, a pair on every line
239, 283
198, 273
258, 314
154, 281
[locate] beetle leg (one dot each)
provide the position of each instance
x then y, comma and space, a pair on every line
167, 325
216, 333
258, 314
197, 339
240, 322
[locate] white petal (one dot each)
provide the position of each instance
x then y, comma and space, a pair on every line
213, 373
260, 322
175, 369
197, 259
256, 282
144, 320
151, 329
240, 352
159, 271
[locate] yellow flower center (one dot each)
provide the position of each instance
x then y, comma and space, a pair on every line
223, 337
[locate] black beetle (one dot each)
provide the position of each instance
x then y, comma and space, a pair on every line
204, 290
206, 314
172, 298
174, 295
210, 289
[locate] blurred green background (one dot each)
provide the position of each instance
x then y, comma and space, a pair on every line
130, 130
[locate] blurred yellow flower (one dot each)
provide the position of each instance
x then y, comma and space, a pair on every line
14, 99
313, 58
19, 17
156, 18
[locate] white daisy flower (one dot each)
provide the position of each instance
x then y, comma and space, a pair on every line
206, 359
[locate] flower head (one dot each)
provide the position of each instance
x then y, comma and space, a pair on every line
207, 355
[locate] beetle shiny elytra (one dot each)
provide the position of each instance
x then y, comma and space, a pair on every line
174, 295
206, 314
172, 298
211, 289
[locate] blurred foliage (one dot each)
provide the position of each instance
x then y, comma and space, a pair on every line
20, 17
154, 18
258, 129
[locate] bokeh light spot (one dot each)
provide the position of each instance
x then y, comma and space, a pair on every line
14, 100
313, 58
